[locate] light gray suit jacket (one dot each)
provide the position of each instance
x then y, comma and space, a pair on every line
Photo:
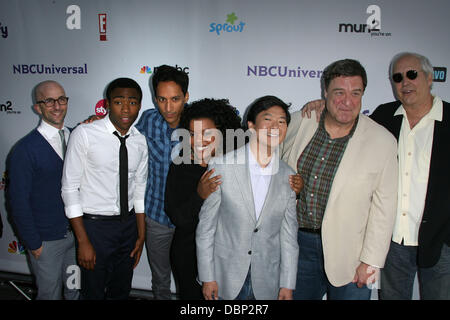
230, 239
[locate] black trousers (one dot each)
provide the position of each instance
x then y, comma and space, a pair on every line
113, 241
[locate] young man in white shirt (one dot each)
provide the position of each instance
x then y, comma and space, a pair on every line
106, 206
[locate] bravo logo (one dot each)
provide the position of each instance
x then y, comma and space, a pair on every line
229, 26
439, 74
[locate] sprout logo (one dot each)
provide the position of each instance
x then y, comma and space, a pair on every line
229, 26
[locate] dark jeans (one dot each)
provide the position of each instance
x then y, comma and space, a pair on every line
397, 277
246, 292
312, 282
113, 241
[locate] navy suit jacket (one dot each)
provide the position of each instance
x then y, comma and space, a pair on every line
435, 226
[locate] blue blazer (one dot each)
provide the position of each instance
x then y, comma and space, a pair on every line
435, 226
34, 191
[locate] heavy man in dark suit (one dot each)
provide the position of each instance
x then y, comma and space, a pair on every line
421, 123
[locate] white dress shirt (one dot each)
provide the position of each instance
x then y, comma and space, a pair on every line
90, 182
260, 178
414, 155
51, 134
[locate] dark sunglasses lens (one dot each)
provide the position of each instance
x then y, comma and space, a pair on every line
411, 74
397, 77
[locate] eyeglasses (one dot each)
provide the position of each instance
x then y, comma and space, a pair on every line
50, 102
410, 74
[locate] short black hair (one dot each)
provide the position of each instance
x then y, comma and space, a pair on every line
165, 73
123, 83
343, 68
265, 103
224, 115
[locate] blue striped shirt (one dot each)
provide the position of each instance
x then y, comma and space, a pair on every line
158, 134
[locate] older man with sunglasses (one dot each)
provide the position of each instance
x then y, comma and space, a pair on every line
421, 123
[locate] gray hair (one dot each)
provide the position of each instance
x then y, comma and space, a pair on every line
424, 62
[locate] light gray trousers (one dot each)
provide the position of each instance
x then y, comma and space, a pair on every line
50, 269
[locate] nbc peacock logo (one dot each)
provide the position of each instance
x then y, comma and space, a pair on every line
146, 70
16, 247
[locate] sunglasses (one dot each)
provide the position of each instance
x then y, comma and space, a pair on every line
410, 74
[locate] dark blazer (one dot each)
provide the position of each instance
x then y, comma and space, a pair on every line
435, 227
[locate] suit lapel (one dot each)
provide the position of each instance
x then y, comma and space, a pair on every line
439, 159
396, 125
242, 176
307, 130
347, 163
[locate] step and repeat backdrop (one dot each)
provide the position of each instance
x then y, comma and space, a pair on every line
234, 49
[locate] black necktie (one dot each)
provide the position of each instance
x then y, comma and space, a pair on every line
123, 176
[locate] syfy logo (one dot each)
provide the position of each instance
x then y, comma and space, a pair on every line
3, 31
372, 25
101, 108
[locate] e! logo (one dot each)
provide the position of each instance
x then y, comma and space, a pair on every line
102, 26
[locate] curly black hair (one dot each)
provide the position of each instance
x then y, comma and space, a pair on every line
224, 115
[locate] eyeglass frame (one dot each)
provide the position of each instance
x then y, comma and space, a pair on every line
410, 74
47, 101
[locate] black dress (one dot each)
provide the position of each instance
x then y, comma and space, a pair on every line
182, 205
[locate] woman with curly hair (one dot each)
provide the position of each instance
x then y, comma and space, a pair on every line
189, 184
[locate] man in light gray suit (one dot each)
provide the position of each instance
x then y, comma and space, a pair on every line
246, 236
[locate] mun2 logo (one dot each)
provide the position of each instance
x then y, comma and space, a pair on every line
372, 25
229, 26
